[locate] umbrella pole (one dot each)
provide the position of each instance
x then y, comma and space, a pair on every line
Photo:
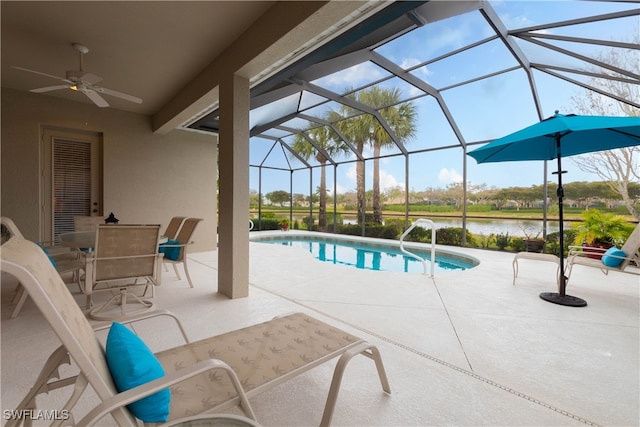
561, 297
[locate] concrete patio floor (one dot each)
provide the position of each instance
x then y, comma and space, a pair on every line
466, 348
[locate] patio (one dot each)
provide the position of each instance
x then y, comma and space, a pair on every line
466, 348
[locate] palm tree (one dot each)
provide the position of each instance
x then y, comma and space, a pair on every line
329, 145
366, 128
401, 119
357, 131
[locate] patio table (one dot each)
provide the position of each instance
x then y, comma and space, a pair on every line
78, 239
86, 239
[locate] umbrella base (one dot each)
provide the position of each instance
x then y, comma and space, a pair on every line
567, 300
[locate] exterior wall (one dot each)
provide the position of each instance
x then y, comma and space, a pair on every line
147, 178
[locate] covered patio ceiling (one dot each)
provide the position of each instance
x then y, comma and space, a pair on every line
468, 66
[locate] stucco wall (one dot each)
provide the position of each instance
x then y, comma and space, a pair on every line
147, 178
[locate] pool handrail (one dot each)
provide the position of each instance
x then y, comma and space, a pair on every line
433, 245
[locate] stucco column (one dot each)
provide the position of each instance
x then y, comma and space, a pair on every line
233, 148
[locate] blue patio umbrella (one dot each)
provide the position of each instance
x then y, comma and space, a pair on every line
553, 138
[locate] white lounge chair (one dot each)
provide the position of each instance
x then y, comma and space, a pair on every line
627, 263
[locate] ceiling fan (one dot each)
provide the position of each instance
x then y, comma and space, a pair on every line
82, 81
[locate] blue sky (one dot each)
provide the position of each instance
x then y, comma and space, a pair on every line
484, 110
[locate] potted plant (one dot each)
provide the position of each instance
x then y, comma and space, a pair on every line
600, 230
284, 224
533, 242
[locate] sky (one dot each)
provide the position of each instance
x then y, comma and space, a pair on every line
484, 110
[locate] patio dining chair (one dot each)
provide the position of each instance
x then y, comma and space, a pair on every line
64, 261
174, 225
175, 250
625, 260
125, 257
86, 222
125, 373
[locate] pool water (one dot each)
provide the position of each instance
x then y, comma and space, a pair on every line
369, 257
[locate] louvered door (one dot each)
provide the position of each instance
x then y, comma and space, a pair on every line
72, 179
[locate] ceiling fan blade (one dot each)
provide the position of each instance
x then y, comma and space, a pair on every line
90, 78
97, 99
43, 74
118, 94
49, 88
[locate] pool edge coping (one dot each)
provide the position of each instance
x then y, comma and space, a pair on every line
257, 236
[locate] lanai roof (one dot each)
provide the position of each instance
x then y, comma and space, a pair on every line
468, 67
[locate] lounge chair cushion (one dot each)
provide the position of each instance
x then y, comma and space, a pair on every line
610, 257
172, 253
131, 364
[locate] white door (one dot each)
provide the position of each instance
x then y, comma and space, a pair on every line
72, 179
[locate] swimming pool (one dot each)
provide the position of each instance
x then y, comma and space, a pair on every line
369, 256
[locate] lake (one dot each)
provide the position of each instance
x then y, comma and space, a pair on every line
515, 227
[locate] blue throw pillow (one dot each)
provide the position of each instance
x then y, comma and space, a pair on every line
131, 364
172, 253
609, 258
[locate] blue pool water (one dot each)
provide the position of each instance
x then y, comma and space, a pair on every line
371, 257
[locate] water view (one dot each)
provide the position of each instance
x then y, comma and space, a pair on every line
515, 227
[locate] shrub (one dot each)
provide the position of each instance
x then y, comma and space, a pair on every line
339, 221
391, 232
309, 222
395, 227
350, 229
486, 241
419, 234
453, 236
502, 241
553, 241
266, 224
518, 245
372, 229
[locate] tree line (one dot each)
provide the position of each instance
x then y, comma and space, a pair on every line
581, 194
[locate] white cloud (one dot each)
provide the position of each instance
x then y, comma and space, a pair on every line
422, 72
449, 176
412, 62
409, 62
388, 181
348, 183
414, 91
351, 173
351, 77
